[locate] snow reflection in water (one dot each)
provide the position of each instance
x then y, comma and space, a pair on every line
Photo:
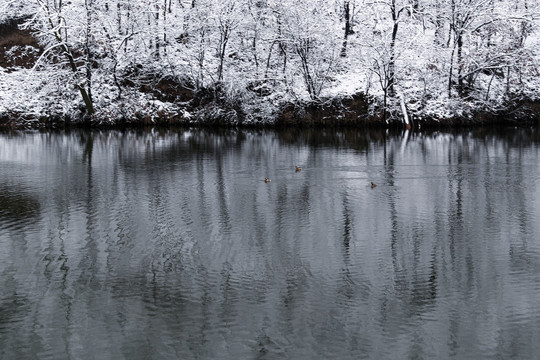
170, 245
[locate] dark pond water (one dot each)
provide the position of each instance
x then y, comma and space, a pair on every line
170, 245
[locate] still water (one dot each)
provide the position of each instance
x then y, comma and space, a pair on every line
170, 245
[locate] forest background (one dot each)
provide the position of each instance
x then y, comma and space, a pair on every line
269, 61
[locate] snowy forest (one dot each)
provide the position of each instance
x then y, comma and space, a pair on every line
263, 61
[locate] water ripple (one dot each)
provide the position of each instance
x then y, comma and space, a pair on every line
160, 245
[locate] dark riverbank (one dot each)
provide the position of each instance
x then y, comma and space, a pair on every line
349, 113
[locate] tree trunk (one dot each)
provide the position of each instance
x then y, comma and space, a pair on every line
157, 40
439, 25
451, 73
165, 27
348, 30
119, 17
391, 61
222, 48
460, 62
303, 53
282, 46
87, 94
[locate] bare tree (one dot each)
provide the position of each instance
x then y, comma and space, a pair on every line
54, 28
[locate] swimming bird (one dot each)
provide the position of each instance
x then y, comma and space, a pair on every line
298, 168
266, 180
373, 184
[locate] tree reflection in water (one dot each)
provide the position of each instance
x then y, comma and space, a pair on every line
167, 243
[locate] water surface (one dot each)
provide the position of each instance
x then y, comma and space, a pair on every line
169, 245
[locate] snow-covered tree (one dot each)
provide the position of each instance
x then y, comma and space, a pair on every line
66, 31
483, 52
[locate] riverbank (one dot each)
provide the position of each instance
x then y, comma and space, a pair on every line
166, 103
347, 111
36, 95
